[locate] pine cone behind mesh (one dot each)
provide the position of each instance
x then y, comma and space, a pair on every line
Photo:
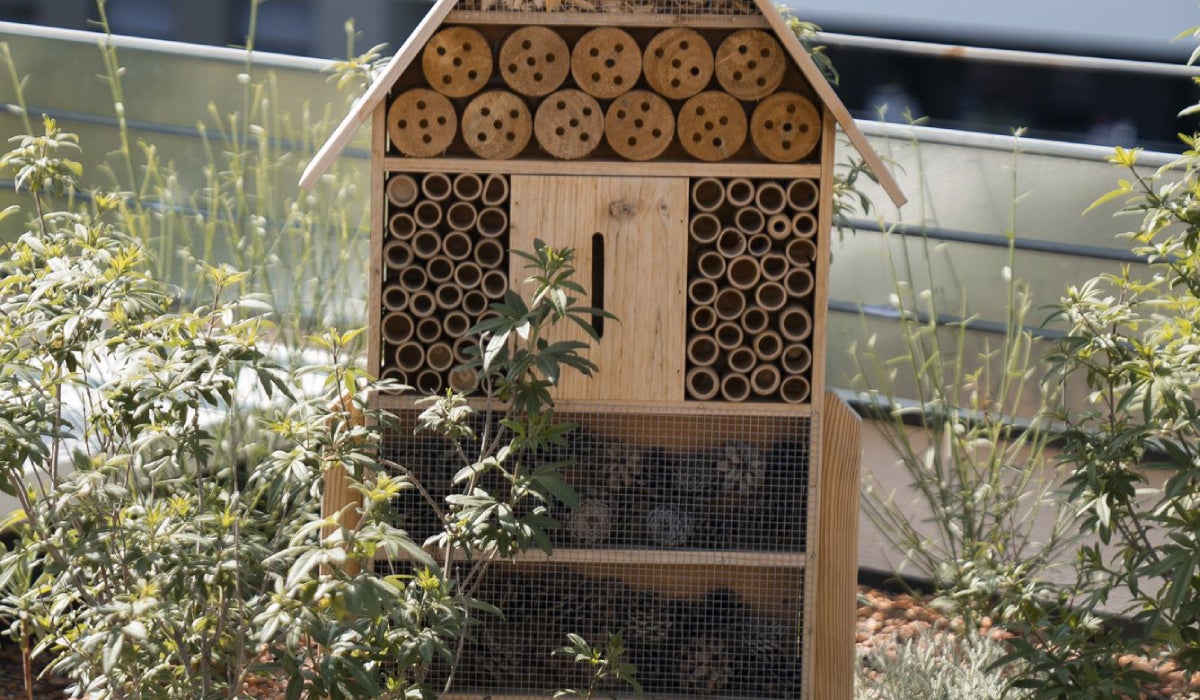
707, 665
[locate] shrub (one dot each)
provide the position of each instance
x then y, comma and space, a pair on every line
935, 666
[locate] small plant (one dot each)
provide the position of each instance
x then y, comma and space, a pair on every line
936, 666
606, 665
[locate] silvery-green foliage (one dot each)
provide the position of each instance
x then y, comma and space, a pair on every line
936, 666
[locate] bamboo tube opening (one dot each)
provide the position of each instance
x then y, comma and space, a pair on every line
492, 222
703, 351
489, 253
402, 225
495, 190
731, 243
702, 383
708, 194
801, 251
758, 245
743, 272
429, 330
440, 269
735, 387
397, 255
739, 192
427, 214
410, 357
705, 228
426, 243
750, 220
779, 226
429, 381
449, 296
795, 323
768, 345
422, 304
474, 303
755, 320
771, 296
465, 348
468, 276
802, 195
413, 278
437, 187
804, 225
711, 264
764, 380
702, 291
461, 216
703, 318
742, 360
729, 304
397, 328
796, 358
402, 190
463, 380
770, 198
494, 284
799, 282
457, 245
455, 324
394, 297
467, 187
729, 335
774, 266
795, 389
439, 356
395, 374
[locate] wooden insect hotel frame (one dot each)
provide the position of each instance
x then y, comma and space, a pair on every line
684, 149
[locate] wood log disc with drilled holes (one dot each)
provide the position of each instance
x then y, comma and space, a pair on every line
606, 62
534, 61
457, 61
678, 63
639, 125
712, 126
497, 125
750, 64
421, 123
569, 124
785, 127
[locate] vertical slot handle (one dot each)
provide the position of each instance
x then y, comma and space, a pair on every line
598, 282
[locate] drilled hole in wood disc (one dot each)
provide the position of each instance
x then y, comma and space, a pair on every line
639, 125
750, 64
457, 61
534, 61
785, 127
712, 126
421, 123
606, 62
496, 125
678, 63
569, 124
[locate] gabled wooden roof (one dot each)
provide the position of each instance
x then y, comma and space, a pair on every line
377, 92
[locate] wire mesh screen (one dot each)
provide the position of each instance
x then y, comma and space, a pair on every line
663, 7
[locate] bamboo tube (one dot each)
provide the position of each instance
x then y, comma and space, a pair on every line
461, 216
804, 225
429, 330
402, 190
795, 389
455, 324
395, 374
436, 187
702, 383
742, 360
771, 296
750, 64
410, 357
395, 297
606, 62
768, 346
439, 356
702, 351
796, 358
492, 222
678, 63
743, 272
749, 220
457, 61
731, 243
770, 197
495, 191
802, 195
755, 320
439, 269
702, 291
785, 127
758, 245
799, 282
397, 327
456, 245
422, 304
735, 387
474, 303
467, 275
489, 253
774, 267
702, 318
413, 279
465, 348
427, 214
534, 60
795, 323
496, 125
428, 381
494, 284
705, 228
711, 264
467, 187
779, 226
639, 125
463, 379
801, 251
729, 335
739, 192
421, 123
708, 194
397, 255
401, 225
449, 296
764, 380
729, 304
712, 126
569, 124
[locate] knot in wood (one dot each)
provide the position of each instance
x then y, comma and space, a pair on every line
622, 208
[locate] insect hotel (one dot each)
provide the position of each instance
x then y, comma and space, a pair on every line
684, 150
